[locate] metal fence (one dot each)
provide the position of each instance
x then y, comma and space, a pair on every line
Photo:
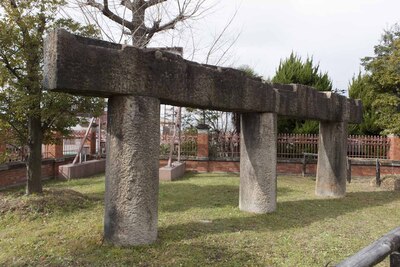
71, 146
12, 153
294, 145
224, 145
188, 146
365, 146
289, 146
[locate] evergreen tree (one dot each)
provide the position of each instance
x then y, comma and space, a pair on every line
360, 88
295, 70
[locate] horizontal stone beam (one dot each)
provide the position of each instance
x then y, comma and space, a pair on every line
85, 66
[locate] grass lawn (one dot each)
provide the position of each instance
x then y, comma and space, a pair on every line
199, 224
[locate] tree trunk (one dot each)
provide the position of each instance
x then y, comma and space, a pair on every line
172, 143
139, 33
34, 161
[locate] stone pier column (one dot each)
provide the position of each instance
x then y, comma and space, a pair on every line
332, 153
258, 148
131, 197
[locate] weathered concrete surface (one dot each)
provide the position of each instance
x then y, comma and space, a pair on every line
86, 66
296, 100
172, 173
131, 198
258, 139
332, 159
84, 169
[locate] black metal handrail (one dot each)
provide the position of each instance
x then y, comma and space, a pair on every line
371, 255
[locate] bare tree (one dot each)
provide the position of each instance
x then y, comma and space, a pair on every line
159, 23
140, 20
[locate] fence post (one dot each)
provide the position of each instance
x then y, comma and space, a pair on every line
378, 173
93, 141
304, 163
202, 148
394, 148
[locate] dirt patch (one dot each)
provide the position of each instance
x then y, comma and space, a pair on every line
388, 182
391, 182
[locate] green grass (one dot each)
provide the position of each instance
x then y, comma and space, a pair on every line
199, 224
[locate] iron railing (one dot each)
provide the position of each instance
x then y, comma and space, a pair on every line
224, 145
387, 245
368, 147
188, 146
290, 146
295, 145
71, 146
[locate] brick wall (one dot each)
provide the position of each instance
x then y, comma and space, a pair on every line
283, 167
2, 147
12, 174
359, 168
15, 173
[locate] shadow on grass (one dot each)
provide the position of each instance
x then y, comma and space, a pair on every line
178, 197
84, 252
181, 197
289, 214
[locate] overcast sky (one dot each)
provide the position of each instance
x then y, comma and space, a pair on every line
337, 33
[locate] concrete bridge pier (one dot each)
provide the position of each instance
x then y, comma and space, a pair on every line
332, 159
258, 147
131, 197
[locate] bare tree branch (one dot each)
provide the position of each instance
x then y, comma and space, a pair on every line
167, 26
91, 16
109, 14
218, 38
151, 3
227, 49
128, 4
186, 11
